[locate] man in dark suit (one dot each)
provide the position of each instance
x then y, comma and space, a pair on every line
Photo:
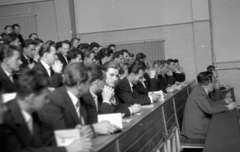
66, 108
179, 76
100, 98
62, 55
48, 64
199, 108
27, 55
23, 128
10, 63
125, 90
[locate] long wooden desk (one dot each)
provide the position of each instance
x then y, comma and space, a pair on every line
224, 133
149, 129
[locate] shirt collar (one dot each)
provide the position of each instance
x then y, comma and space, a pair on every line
27, 117
205, 90
7, 73
26, 57
93, 94
73, 98
131, 85
45, 65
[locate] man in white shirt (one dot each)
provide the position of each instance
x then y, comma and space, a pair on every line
48, 64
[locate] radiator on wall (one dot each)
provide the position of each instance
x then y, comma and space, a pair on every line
27, 23
153, 49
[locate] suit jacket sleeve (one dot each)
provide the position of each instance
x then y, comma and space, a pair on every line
108, 108
125, 96
207, 106
10, 143
56, 80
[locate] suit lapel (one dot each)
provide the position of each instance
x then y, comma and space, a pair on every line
5, 80
83, 111
68, 102
44, 70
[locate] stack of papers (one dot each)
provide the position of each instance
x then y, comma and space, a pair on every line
66, 137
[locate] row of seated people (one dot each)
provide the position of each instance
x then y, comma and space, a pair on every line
50, 96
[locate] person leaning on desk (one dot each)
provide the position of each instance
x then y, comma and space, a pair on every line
199, 108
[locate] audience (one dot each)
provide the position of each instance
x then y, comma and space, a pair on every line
67, 84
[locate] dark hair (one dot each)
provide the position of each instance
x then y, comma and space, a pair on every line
110, 64
45, 47
111, 45
94, 44
32, 35
7, 39
124, 50
75, 73
124, 67
7, 27
84, 46
65, 42
169, 61
136, 67
31, 81
73, 54
204, 78
211, 68
140, 56
73, 39
28, 42
38, 41
58, 45
7, 51
104, 52
87, 53
131, 54
97, 72
175, 61
15, 25
117, 54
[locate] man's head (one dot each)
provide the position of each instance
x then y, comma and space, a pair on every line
98, 79
65, 47
112, 47
59, 46
47, 52
75, 42
29, 46
164, 68
141, 57
32, 89
136, 72
105, 55
75, 55
16, 28
33, 36
8, 29
89, 56
112, 73
78, 77
125, 55
171, 65
211, 68
11, 58
205, 80
39, 42
12, 39
176, 62
94, 46
118, 57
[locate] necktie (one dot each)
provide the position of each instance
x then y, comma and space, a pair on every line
79, 113
50, 72
144, 84
96, 101
11, 77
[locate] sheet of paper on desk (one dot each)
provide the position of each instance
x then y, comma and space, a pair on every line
66, 137
160, 93
113, 118
8, 96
